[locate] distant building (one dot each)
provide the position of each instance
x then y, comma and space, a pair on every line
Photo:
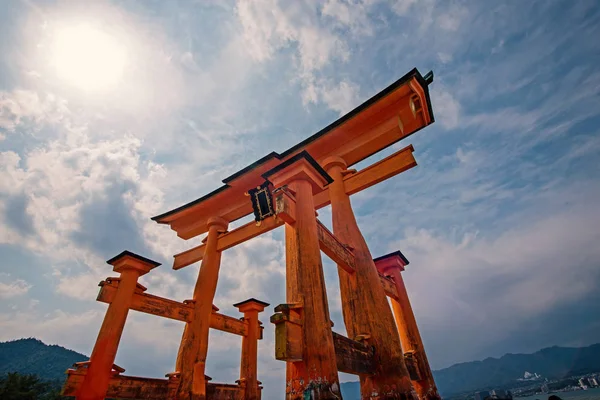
497, 394
593, 382
482, 395
583, 383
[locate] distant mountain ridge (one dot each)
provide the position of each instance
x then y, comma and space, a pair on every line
49, 362
551, 362
32, 356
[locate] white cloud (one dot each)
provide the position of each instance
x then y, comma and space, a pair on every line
28, 106
270, 26
352, 14
341, 97
74, 330
17, 287
447, 108
401, 7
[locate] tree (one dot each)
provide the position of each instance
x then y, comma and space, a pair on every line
15, 386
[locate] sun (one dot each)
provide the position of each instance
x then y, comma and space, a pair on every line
88, 57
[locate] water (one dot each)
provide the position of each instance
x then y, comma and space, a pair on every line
590, 394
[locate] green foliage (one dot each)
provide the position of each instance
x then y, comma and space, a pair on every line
32, 357
15, 386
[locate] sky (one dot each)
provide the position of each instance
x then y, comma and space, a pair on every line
114, 112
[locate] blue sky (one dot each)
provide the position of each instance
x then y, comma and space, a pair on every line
114, 112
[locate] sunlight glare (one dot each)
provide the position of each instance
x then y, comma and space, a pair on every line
88, 57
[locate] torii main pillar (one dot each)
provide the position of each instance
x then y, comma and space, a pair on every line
392, 265
191, 359
314, 375
364, 302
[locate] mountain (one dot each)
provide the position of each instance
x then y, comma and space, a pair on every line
32, 356
551, 362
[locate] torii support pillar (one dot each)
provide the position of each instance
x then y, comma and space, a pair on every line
392, 265
191, 358
313, 372
364, 302
131, 266
248, 365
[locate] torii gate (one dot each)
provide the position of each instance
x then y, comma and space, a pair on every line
287, 189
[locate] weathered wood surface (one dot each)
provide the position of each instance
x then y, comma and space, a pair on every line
288, 332
285, 205
132, 387
317, 373
223, 391
227, 241
413, 365
389, 286
364, 301
172, 309
335, 249
352, 357
415, 356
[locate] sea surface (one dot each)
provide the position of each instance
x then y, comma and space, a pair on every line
590, 394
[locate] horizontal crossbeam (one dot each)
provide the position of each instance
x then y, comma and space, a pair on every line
172, 309
353, 357
390, 166
227, 241
133, 387
334, 249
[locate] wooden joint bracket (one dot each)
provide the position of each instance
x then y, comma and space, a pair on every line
285, 205
363, 338
414, 365
288, 332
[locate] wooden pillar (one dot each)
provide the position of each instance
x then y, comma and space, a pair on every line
315, 376
249, 361
191, 359
131, 266
364, 302
392, 265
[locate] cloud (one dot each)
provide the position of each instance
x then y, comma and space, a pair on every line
447, 108
269, 25
341, 97
31, 108
73, 330
17, 287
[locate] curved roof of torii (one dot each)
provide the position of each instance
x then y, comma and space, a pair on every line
396, 112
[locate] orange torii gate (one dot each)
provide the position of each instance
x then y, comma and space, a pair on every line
286, 190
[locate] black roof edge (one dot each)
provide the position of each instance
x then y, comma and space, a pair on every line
412, 73
249, 300
132, 254
394, 253
303, 154
255, 164
425, 83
